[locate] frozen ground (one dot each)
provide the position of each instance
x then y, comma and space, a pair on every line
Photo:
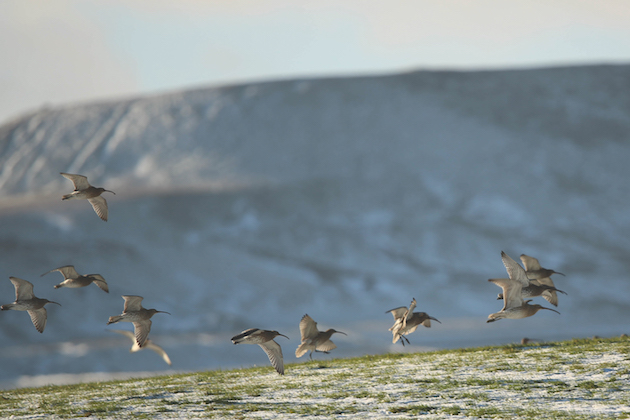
579, 380
248, 206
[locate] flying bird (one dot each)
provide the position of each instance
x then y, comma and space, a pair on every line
265, 339
513, 305
534, 270
140, 317
536, 288
313, 339
73, 279
407, 321
25, 300
83, 190
148, 344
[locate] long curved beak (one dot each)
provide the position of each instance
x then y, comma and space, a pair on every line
162, 312
115, 194
341, 332
549, 309
284, 336
50, 301
555, 272
435, 319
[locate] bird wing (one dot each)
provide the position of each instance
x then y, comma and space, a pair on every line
423, 318
274, 353
511, 292
80, 182
130, 336
23, 289
132, 303
398, 312
141, 331
514, 270
412, 306
67, 271
530, 263
126, 333
546, 281
326, 346
550, 295
302, 349
38, 316
159, 350
147, 345
308, 327
411, 328
98, 280
99, 204
239, 338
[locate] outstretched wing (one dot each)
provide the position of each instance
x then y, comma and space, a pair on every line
274, 353
23, 289
511, 292
514, 270
67, 271
80, 182
141, 331
530, 263
308, 327
398, 312
98, 280
326, 346
132, 303
38, 316
99, 204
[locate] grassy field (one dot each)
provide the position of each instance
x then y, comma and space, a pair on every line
577, 379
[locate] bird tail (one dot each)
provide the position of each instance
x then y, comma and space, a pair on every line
301, 350
114, 319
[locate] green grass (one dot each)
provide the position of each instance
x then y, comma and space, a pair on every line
575, 379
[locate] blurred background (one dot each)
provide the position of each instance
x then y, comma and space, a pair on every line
276, 158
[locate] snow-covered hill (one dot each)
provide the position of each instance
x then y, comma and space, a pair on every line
248, 206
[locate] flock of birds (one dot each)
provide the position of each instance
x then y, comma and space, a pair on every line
522, 284
25, 299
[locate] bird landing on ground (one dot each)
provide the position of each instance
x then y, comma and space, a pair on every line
407, 321
313, 339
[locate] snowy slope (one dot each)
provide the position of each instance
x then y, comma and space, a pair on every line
248, 206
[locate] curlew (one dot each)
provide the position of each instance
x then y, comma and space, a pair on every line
148, 344
265, 339
313, 339
83, 190
139, 316
25, 300
407, 321
534, 270
513, 305
536, 288
73, 279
